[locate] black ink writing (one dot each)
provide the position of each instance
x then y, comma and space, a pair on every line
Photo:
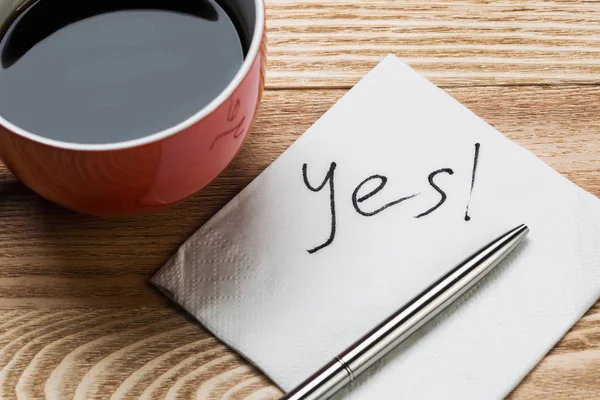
382, 181
329, 177
437, 188
475, 161
362, 193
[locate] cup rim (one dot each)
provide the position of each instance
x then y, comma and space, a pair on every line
255, 44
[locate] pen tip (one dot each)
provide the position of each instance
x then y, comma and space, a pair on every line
519, 232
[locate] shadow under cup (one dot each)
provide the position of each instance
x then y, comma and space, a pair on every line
151, 172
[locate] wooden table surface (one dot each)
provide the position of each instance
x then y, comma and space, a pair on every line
79, 319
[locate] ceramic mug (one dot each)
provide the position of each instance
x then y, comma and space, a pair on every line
155, 171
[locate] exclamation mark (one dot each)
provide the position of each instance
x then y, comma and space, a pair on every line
475, 160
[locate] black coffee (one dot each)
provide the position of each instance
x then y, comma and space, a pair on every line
104, 71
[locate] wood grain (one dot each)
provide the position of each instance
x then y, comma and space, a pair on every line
324, 43
77, 317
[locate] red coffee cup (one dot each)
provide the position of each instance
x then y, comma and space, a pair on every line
158, 170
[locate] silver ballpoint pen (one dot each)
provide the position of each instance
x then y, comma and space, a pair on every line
403, 323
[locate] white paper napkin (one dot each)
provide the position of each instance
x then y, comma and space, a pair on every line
401, 146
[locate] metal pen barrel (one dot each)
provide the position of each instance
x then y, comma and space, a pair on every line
407, 320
